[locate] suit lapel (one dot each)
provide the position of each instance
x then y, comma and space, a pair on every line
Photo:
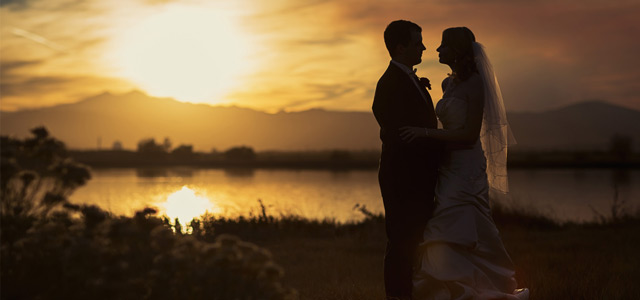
422, 95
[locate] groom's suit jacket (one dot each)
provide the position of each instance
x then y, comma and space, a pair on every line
399, 102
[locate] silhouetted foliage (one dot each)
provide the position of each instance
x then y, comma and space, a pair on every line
240, 153
99, 256
149, 146
183, 150
117, 146
37, 175
52, 249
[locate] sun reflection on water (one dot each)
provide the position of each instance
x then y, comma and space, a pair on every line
185, 205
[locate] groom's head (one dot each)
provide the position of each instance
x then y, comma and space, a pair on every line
404, 42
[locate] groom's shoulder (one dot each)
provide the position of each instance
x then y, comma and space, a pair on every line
389, 77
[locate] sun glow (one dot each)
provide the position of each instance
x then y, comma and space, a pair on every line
186, 205
191, 54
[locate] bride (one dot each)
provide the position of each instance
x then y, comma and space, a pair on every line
462, 256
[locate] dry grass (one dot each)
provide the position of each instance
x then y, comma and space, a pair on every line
571, 261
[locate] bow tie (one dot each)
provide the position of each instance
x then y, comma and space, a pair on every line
422, 81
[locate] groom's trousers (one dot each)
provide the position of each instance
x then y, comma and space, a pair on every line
407, 184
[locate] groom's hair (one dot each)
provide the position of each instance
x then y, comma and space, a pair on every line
399, 33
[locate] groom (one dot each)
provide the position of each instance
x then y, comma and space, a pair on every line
407, 172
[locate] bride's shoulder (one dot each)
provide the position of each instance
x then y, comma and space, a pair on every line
474, 82
446, 82
474, 86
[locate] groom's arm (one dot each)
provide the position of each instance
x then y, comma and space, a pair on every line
468, 134
382, 108
386, 109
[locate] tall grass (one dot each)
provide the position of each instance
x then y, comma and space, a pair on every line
325, 259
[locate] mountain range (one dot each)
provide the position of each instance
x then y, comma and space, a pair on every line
101, 120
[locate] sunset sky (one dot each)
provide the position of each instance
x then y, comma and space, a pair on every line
299, 54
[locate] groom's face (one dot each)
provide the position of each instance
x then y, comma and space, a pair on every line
412, 53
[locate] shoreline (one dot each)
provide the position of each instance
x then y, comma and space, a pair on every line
330, 160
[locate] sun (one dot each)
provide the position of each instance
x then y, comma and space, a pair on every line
185, 205
192, 54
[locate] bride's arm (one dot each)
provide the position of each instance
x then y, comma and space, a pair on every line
467, 134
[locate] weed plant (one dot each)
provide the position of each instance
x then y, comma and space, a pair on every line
51, 249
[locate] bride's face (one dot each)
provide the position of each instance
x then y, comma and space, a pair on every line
446, 54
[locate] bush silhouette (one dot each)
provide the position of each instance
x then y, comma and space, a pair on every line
240, 153
149, 145
52, 249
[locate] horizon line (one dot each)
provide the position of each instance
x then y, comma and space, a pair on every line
283, 110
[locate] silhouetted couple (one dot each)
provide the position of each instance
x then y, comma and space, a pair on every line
442, 242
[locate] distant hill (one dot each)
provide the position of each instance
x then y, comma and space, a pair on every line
587, 125
131, 117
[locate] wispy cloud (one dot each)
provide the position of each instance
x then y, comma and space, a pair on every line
37, 39
28, 91
546, 53
330, 53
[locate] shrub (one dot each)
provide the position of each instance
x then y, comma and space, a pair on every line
97, 256
52, 249
37, 175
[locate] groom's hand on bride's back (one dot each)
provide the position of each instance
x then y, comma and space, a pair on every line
409, 133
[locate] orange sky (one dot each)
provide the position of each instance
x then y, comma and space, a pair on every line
294, 55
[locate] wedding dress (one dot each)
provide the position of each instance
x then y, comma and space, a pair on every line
462, 256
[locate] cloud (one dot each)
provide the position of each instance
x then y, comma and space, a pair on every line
546, 53
330, 53
15, 4
27, 91
9, 67
37, 39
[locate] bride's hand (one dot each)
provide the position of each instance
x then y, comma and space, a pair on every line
409, 133
425, 82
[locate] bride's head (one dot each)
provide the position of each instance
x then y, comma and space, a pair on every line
456, 50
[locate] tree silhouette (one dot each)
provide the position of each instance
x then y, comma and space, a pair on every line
117, 146
240, 153
149, 146
183, 151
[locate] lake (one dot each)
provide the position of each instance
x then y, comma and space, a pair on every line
563, 194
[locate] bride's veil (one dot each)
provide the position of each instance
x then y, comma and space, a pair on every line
495, 134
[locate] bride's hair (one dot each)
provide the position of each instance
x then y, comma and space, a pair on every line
461, 40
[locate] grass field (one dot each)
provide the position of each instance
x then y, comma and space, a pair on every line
320, 259
599, 260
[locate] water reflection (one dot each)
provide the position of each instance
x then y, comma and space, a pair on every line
185, 205
565, 194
